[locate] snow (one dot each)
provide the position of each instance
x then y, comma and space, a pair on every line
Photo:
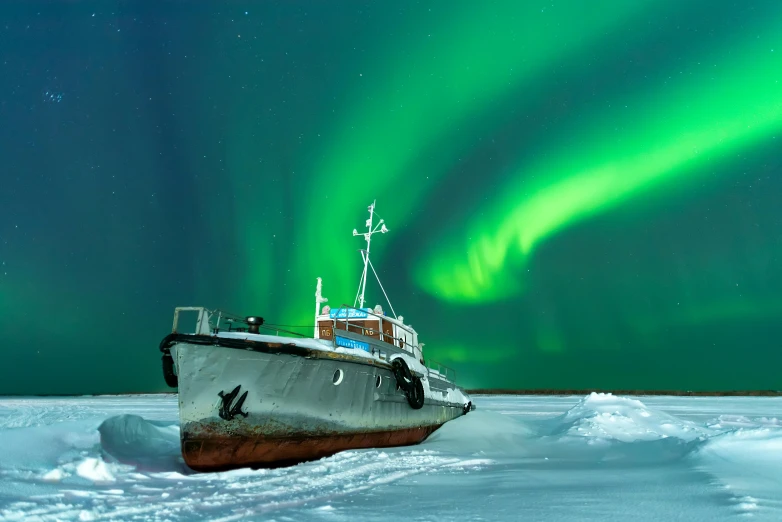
604, 417
599, 457
313, 344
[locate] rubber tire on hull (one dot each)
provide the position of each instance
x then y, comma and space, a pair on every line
167, 342
409, 383
168, 371
402, 374
416, 396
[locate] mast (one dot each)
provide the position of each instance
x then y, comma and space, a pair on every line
381, 227
318, 300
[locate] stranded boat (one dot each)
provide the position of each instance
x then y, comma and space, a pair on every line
249, 396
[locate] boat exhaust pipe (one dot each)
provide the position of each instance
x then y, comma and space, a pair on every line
254, 323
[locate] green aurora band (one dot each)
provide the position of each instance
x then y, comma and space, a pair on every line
647, 142
399, 139
580, 195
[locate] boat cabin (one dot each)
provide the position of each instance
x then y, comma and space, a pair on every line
367, 329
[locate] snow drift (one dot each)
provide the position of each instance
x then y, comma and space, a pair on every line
148, 445
119, 458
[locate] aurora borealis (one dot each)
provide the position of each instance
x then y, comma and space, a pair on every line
669, 139
578, 195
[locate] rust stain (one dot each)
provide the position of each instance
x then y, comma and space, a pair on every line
218, 452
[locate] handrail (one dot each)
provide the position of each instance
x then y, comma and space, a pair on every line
363, 329
449, 373
265, 326
370, 312
446, 371
274, 328
278, 330
213, 319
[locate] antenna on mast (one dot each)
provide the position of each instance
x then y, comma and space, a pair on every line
362, 285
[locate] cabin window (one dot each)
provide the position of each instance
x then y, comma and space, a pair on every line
338, 376
378, 381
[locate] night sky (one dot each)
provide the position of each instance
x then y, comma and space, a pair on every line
579, 194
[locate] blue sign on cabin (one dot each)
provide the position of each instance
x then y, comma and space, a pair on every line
350, 343
349, 313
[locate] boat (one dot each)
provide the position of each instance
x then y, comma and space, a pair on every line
255, 394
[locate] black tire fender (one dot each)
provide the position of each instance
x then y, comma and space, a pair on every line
416, 396
402, 374
168, 371
167, 342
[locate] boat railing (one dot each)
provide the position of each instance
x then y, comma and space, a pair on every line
206, 321
369, 332
277, 329
211, 322
435, 368
440, 370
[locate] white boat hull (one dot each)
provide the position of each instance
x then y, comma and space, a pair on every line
293, 411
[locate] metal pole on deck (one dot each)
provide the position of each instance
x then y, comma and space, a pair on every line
318, 300
365, 254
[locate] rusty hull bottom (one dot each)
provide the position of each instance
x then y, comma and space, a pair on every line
223, 452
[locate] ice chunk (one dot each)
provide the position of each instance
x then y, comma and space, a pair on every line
95, 470
150, 445
54, 475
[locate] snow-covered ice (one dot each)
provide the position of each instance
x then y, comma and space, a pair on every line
599, 457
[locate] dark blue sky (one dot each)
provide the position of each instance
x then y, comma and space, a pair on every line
178, 153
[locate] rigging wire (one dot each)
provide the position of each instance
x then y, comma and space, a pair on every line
383, 289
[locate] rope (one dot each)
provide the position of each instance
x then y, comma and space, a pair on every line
290, 325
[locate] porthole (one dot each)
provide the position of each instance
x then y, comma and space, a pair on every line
378, 380
338, 376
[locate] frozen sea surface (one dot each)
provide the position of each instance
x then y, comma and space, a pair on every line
599, 457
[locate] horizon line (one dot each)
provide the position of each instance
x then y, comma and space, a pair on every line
492, 391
